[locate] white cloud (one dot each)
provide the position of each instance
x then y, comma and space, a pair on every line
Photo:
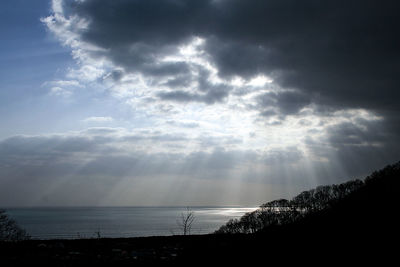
63, 83
58, 91
98, 119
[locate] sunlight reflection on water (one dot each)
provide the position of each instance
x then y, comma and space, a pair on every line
228, 211
70, 223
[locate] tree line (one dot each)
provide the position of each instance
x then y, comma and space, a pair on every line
283, 211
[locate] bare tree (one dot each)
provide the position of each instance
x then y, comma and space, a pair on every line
185, 221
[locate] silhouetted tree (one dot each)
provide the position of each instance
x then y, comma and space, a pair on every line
185, 221
250, 223
9, 229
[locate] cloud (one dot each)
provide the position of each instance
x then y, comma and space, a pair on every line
98, 119
281, 103
62, 88
82, 163
118, 154
358, 144
308, 80
63, 83
184, 124
182, 96
331, 50
58, 91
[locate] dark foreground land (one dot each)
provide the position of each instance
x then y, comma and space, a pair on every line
308, 245
362, 228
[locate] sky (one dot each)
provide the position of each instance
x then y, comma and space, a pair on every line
178, 102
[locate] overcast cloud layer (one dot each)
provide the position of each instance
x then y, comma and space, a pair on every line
233, 102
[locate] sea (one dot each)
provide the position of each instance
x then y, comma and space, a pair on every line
115, 222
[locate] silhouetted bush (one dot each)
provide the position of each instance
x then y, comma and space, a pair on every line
9, 229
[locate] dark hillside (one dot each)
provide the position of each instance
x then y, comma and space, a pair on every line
363, 226
373, 207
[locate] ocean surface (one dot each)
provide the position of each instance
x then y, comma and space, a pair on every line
71, 223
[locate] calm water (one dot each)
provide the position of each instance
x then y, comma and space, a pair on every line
51, 223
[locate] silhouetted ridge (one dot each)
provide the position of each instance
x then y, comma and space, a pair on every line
372, 200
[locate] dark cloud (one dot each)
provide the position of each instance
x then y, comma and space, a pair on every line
179, 81
356, 147
210, 97
345, 52
292, 102
180, 96
205, 92
116, 75
281, 103
350, 134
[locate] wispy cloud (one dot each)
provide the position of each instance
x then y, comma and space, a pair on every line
98, 119
58, 91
